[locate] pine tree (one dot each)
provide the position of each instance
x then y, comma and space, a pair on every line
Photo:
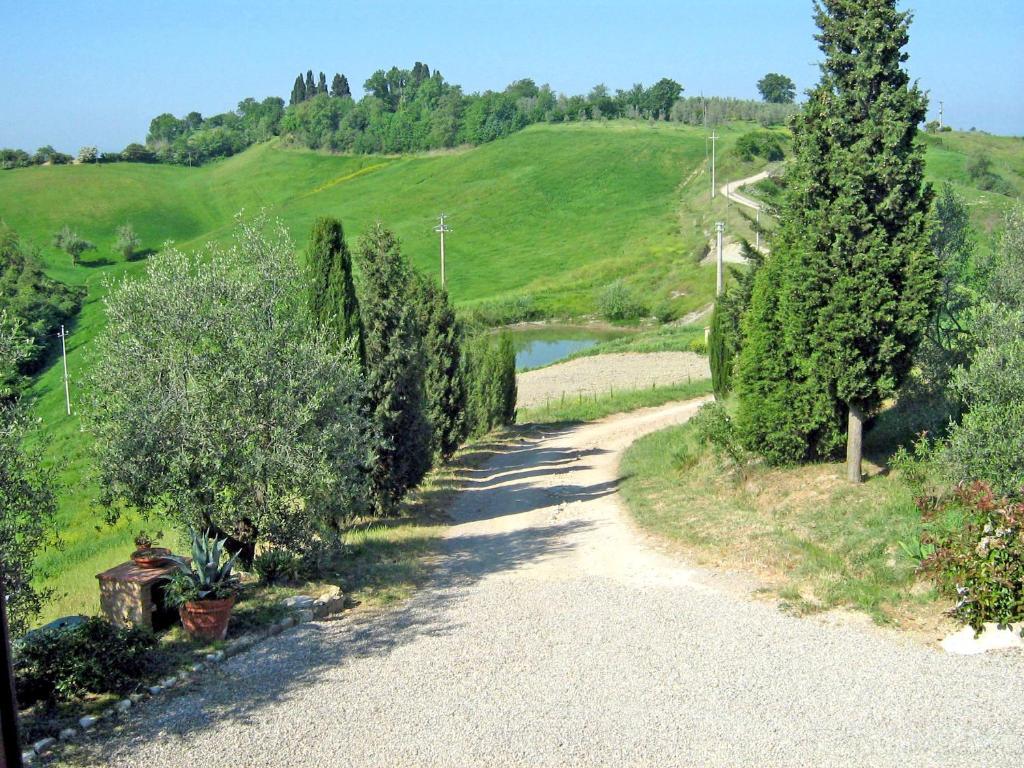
444, 382
298, 90
332, 298
310, 84
322, 84
394, 370
840, 306
339, 87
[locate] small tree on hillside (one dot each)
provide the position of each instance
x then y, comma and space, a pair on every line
841, 304
444, 382
298, 91
69, 241
332, 292
340, 88
27, 501
777, 89
394, 370
216, 402
127, 242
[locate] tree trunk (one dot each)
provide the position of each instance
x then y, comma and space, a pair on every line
243, 544
854, 445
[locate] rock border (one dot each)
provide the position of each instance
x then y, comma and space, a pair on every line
301, 610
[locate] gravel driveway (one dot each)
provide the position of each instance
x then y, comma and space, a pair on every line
601, 374
554, 636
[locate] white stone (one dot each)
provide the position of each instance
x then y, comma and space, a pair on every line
215, 656
298, 602
304, 616
197, 667
44, 744
28, 757
88, 722
155, 689
168, 682
135, 697
67, 734
123, 705
964, 643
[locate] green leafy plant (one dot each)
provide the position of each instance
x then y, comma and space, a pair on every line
714, 426
205, 577
93, 657
278, 566
979, 559
698, 346
619, 302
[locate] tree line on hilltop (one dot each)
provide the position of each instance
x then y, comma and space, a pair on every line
409, 110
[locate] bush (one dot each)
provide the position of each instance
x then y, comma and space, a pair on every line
490, 376
278, 566
619, 302
714, 427
93, 657
698, 346
979, 559
764, 144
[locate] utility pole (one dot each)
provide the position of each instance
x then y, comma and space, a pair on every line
714, 138
940, 114
719, 228
442, 228
64, 354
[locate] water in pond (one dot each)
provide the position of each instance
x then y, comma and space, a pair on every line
536, 347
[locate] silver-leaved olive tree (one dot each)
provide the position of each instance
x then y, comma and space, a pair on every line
218, 403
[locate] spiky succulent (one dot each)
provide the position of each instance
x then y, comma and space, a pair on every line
205, 577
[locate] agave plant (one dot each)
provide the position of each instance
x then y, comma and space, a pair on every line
205, 577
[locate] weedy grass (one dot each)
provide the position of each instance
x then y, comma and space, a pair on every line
582, 407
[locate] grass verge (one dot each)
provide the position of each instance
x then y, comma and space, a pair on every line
815, 541
589, 407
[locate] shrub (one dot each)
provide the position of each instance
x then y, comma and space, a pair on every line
764, 144
698, 346
979, 559
490, 375
278, 566
127, 242
619, 302
93, 657
714, 427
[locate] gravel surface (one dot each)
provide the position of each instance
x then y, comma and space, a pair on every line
554, 636
600, 374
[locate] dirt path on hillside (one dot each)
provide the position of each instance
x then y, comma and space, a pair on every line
553, 635
604, 374
730, 190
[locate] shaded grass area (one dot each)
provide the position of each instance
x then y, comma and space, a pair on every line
816, 541
589, 407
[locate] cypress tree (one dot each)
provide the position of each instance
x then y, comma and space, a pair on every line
840, 306
444, 382
332, 297
394, 370
720, 356
310, 85
339, 87
322, 84
298, 90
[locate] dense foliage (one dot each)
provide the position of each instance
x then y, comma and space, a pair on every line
490, 382
838, 309
763, 144
332, 292
216, 402
38, 303
988, 443
978, 560
27, 501
444, 380
726, 337
776, 88
90, 658
394, 370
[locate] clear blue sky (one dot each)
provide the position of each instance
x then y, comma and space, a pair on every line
78, 72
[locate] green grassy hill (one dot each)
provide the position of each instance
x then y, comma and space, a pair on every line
544, 218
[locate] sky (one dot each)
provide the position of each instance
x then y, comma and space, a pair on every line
94, 72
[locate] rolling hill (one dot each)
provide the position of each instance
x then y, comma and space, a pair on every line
542, 220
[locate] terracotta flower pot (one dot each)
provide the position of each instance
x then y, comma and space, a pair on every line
207, 619
150, 557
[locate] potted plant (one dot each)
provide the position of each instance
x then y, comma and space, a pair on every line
204, 588
145, 554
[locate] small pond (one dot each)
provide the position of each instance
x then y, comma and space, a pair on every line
540, 346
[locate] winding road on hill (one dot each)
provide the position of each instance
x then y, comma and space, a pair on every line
555, 634
730, 190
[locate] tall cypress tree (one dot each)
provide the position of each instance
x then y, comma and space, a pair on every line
332, 297
322, 84
444, 381
310, 84
840, 305
339, 87
298, 90
394, 370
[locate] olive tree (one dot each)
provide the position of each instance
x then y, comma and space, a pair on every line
27, 502
217, 403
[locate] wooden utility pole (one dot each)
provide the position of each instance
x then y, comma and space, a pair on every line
64, 354
442, 228
719, 228
714, 138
